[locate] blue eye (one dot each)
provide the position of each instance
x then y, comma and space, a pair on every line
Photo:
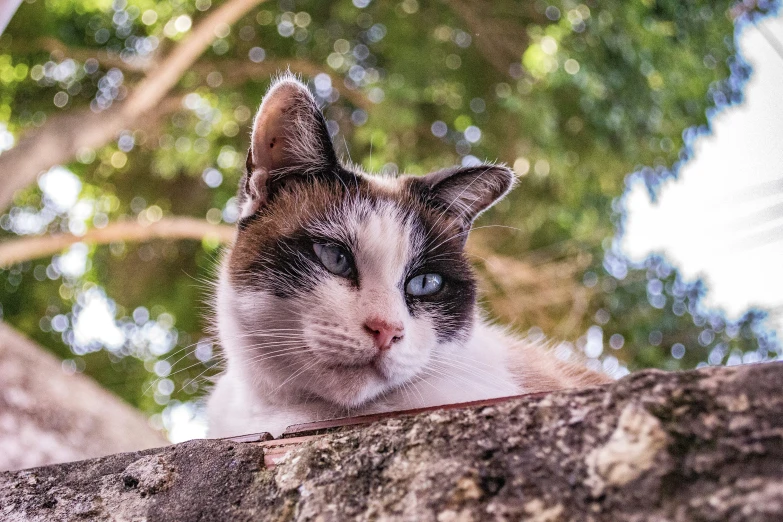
334, 259
424, 284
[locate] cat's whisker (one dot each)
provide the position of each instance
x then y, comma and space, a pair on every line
468, 368
252, 333
268, 333
466, 232
199, 376
280, 353
171, 374
271, 341
307, 348
449, 372
170, 355
268, 350
212, 340
257, 360
190, 353
293, 376
424, 380
466, 372
282, 348
416, 389
404, 388
470, 360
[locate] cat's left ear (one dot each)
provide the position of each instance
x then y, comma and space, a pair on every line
468, 191
289, 141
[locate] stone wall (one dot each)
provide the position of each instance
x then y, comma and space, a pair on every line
700, 445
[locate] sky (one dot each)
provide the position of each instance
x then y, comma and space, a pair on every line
722, 218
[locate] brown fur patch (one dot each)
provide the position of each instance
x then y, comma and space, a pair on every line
274, 253
309, 199
537, 369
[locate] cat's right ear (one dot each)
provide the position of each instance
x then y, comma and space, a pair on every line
467, 191
289, 140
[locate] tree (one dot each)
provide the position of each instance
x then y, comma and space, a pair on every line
146, 105
51, 416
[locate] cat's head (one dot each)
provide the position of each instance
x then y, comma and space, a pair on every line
342, 284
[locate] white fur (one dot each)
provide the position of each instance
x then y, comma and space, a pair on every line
288, 360
244, 402
309, 356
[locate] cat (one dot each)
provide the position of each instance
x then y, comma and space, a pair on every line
346, 293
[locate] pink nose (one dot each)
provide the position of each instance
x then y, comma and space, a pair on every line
385, 333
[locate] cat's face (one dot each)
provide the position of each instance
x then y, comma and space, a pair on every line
345, 285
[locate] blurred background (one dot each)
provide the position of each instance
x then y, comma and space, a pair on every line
645, 231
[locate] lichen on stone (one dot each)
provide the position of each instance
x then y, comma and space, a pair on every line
701, 445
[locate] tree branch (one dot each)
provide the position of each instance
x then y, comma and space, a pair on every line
500, 33
82, 54
61, 137
240, 71
7, 10
61, 417
25, 249
162, 77
234, 72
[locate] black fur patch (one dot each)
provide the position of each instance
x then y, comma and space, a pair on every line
279, 259
453, 305
274, 248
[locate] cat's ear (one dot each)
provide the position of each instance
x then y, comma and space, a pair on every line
289, 140
468, 191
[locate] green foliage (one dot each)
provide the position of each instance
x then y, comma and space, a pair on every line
574, 95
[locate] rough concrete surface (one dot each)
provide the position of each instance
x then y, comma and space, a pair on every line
700, 445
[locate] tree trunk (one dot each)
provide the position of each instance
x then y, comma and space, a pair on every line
61, 137
27, 248
48, 416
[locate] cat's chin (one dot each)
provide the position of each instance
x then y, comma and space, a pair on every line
357, 384
374, 366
